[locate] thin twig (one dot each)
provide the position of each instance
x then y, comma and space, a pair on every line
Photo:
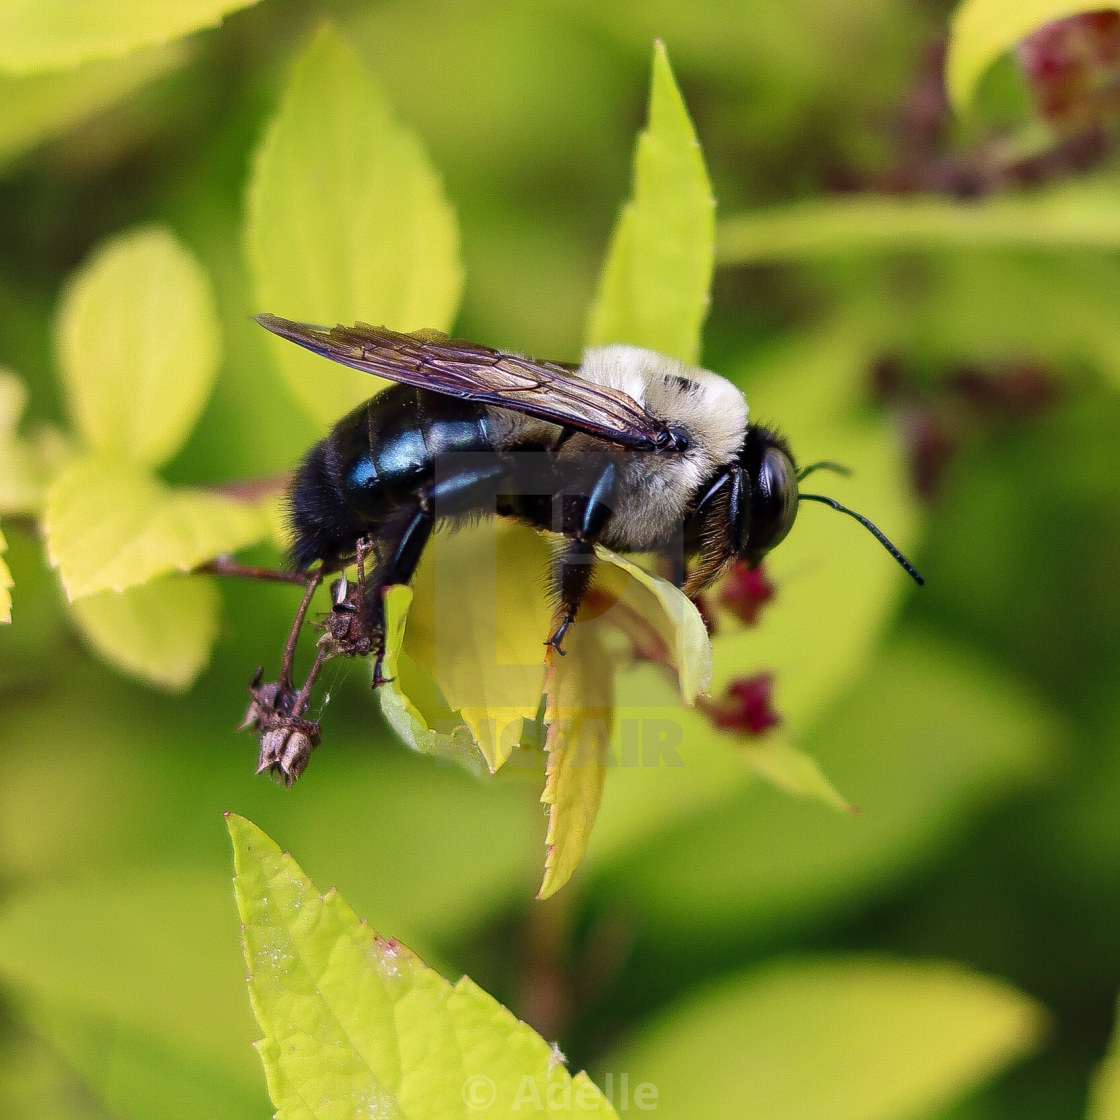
226, 566
305, 692
313, 581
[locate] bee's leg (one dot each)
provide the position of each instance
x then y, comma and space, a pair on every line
575, 567
400, 550
400, 554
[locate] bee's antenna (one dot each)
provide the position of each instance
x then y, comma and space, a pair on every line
824, 465
880, 535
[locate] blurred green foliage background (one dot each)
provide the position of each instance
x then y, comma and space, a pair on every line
979, 735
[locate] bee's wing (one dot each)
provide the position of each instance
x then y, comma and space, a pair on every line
430, 360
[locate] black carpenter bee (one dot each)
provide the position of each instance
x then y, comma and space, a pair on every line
631, 449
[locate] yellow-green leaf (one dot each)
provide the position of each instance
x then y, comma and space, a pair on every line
5, 584
160, 632
111, 526
409, 699
478, 625
662, 621
471, 665
1081, 215
654, 287
21, 473
347, 220
850, 1039
1104, 1093
355, 1024
138, 345
579, 716
792, 770
55, 34
38, 107
982, 30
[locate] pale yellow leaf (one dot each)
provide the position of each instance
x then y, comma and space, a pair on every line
837, 1038
654, 288
791, 769
40, 35
409, 699
35, 108
138, 345
22, 486
5, 584
111, 526
347, 220
1104, 1090
579, 716
661, 620
478, 626
160, 632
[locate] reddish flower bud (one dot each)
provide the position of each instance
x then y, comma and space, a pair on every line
930, 442
1073, 69
1017, 388
746, 706
744, 592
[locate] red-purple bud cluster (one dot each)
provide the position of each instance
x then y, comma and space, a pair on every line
745, 591
1073, 69
746, 706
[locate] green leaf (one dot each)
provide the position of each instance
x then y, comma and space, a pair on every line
160, 632
654, 287
138, 345
347, 221
21, 471
110, 526
850, 1039
5, 584
408, 698
580, 710
35, 108
661, 620
792, 770
56, 34
477, 627
355, 1023
982, 30
1104, 1092
1080, 215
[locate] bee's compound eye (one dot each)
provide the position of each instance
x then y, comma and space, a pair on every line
773, 503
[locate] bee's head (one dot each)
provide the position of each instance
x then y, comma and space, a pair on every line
764, 501
750, 508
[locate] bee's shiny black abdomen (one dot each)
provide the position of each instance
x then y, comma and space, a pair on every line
377, 460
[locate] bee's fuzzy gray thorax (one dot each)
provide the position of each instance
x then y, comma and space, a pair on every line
657, 491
